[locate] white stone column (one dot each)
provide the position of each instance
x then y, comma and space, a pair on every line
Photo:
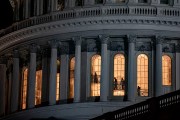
26, 8
131, 80
31, 77
64, 72
2, 86
178, 66
15, 83
53, 72
104, 88
77, 79
158, 67
41, 7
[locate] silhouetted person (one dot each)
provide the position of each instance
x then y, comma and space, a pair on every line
6, 14
122, 83
95, 78
138, 90
115, 83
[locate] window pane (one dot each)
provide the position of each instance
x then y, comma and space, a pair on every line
24, 87
71, 86
119, 75
166, 70
142, 75
38, 87
95, 75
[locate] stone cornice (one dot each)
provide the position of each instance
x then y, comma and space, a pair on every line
18, 36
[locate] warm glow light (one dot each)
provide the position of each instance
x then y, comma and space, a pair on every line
119, 75
38, 87
95, 75
71, 87
166, 70
142, 75
57, 86
24, 93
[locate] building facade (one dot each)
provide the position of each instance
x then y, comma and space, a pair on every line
88, 50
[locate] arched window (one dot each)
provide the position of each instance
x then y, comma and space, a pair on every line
79, 3
98, 1
166, 70
164, 1
142, 75
95, 75
38, 87
71, 86
119, 75
58, 81
60, 5
24, 88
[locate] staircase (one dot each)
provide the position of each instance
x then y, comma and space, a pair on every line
165, 107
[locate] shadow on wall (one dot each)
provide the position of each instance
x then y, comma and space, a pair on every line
50, 118
6, 14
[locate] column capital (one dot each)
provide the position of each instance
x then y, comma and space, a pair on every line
64, 48
104, 39
77, 40
33, 48
159, 39
15, 53
54, 43
131, 38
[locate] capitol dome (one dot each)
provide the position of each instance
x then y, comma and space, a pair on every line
77, 59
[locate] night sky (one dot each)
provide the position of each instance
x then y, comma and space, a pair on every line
6, 14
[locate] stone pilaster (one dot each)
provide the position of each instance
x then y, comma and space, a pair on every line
2, 86
15, 82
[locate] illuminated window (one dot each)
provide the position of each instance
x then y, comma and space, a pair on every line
119, 75
58, 81
60, 5
166, 70
24, 88
142, 75
71, 87
98, 1
38, 87
79, 2
95, 75
164, 1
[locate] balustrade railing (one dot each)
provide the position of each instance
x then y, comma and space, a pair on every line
147, 109
93, 12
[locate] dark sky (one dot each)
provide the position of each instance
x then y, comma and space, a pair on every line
6, 14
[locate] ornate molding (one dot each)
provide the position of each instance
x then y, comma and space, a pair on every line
54, 43
34, 48
64, 49
15, 37
168, 48
159, 39
143, 47
117, 46
104, 39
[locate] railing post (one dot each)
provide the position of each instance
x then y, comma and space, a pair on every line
154, 108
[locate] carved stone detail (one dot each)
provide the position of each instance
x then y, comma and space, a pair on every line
178, 48
117, 46
33, 48
168, 48
104, 39
77, 40
159, 39
131, 38
54, 43
143, 47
